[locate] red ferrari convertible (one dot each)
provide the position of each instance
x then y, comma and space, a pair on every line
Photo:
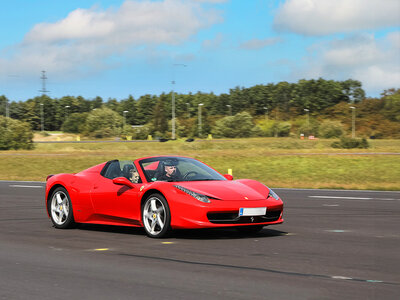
160, 193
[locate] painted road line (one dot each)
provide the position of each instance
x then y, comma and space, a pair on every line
337, 197
342, 277
353, 198
26, 186
99, 249
21, 181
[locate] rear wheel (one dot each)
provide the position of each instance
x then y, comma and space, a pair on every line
249, 229
60, 209
156, 216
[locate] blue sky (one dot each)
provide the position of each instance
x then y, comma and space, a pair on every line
118, 48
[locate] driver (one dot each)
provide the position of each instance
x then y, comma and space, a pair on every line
170, 172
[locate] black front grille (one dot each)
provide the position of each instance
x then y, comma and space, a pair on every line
232, 217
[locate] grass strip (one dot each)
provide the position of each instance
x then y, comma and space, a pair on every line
275, 162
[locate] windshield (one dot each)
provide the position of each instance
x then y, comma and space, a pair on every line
177, 169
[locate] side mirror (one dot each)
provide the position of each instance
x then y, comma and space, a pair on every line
123, 181
229, 177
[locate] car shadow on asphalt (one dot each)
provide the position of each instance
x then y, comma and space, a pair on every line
112, 228
224, 233
194, 234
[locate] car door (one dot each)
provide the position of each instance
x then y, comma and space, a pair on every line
112, 202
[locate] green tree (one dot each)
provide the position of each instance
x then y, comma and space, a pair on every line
160, 122
15, 134
352, 90
239, 125
391, 109
272, 128
75, 123
307, 128
129, 105
112, 104
145, 107
3, 103
330, 129
103, 122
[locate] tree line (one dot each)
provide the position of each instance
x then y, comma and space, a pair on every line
280, 109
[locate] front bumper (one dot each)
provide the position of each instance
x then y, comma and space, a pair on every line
226, 214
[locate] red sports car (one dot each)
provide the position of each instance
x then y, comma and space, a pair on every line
160, 193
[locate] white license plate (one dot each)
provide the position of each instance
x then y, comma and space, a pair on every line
252, 211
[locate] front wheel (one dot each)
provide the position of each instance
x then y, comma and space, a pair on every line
156, 216
60, 209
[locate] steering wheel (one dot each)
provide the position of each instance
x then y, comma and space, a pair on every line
189, 173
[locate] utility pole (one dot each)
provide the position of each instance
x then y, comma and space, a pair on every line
308, 117
66, 111
173, 111
230, 109
353, 122
125, 112
199, 116
173, 102
41, 117
188, 109
266, 113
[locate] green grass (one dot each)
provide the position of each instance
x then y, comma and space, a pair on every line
282, 162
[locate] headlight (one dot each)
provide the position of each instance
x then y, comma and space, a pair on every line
200, 197
273, 195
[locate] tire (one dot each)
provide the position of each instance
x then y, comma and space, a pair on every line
60, 209
156, 216
252, 229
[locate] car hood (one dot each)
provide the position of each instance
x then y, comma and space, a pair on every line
225, 190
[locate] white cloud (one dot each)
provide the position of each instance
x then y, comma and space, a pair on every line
255, 44
322, 17
394, 39
87, 38
374, 62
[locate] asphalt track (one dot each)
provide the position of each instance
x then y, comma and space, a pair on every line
333, 244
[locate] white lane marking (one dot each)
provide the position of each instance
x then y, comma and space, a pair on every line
330, 205
26, 186
21, 181
336, 197
341, 277
354, 198
337, 190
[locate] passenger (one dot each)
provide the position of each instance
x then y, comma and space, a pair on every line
134, 176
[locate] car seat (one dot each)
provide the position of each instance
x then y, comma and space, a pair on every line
126, 171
